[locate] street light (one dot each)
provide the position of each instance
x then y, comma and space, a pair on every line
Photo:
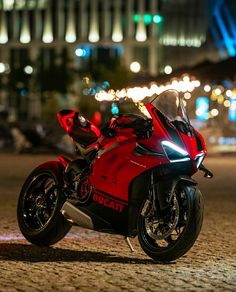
168, 69
2, 67
135, 67
28, 69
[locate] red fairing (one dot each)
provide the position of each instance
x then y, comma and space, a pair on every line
202, 141
164, 130
117, 164
159, 131
114, 170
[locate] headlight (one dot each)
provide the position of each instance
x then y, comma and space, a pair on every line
174, 152
198, 159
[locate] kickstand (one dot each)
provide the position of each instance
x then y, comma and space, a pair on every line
129, 244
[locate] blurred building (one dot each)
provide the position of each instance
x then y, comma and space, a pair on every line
159, 35
153, 32
222, 25
144, 30
43, 41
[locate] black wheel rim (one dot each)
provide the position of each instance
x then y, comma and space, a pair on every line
171, 240
39, 201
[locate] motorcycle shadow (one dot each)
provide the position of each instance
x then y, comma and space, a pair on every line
31, 253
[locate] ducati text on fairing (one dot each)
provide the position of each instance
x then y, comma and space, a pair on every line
108, 202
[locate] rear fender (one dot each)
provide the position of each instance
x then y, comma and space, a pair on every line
53, 166
64, 161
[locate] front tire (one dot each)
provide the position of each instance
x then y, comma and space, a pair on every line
39, 205
175, 244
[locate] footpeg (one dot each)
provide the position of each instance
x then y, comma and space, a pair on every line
129, 244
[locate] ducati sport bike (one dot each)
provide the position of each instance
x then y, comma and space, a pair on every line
132, 178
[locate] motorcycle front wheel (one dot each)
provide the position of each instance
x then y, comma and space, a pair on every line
39, 205
166, 237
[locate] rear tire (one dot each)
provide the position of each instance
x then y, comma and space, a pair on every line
40, 201
174, 249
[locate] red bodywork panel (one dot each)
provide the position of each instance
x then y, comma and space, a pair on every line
117, 165
163, 130
120, 165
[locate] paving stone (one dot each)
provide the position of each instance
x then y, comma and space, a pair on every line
90, 261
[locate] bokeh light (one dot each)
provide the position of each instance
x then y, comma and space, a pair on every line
135, 67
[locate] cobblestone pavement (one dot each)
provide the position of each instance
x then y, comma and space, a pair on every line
89, 261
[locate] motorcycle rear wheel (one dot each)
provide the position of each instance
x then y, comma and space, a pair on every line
190, 208
39, 204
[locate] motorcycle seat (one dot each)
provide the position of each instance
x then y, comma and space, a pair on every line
83, 135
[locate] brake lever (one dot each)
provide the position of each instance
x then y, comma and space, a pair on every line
207, 173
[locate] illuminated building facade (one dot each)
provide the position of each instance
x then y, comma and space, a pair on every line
135, 30
222, 23
149, 36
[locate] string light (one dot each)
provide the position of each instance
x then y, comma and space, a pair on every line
218, 91
187, 95
186, 84
229, 93
227, 103
207, 88
186, 78
214, 112
220, 99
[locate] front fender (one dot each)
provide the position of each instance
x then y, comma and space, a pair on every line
139, 190
187, 180
165, 188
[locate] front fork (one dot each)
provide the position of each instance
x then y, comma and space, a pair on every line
150, 201
161, 193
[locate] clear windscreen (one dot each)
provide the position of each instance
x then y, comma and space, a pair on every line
171, 105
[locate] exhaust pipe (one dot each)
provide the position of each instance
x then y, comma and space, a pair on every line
76, 216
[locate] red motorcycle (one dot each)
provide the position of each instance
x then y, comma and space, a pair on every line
131, 178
